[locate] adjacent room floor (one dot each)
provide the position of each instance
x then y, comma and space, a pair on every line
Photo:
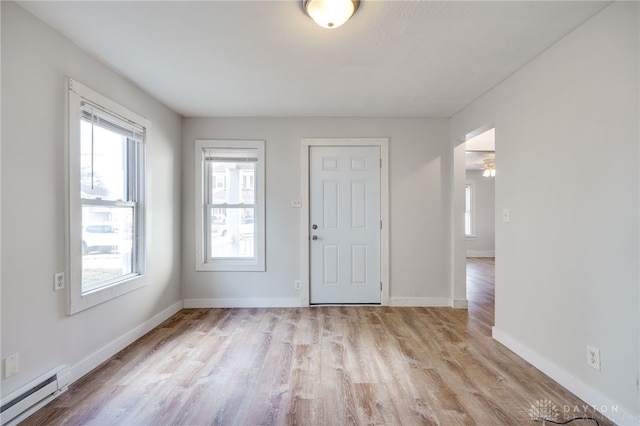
330, 365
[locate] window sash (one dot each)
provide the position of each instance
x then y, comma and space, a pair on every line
238, 241
119, 261
242, 238
247, 158
116, 243
128, 266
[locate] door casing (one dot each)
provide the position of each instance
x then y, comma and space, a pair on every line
383, 143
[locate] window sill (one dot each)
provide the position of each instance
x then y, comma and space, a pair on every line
80, 302
230, 267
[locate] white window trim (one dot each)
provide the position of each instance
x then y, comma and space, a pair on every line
472, 184
77, 301
238, 264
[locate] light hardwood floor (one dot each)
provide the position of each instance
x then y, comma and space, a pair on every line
327, 365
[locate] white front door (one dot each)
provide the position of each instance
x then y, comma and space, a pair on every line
344, 186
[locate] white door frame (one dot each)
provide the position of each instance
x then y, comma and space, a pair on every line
383, 143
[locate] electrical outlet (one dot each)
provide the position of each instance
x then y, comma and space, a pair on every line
593, 357
298, 285
58, 281
11, 365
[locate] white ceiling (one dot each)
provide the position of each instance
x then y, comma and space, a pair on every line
478, 160
267, 58
485, 141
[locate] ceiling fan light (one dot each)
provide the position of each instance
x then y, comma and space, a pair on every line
486, 173
330, 13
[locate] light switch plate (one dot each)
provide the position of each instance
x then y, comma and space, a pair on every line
506, 215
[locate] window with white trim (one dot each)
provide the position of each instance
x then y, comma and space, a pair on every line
230, 205
469, 208
106, 198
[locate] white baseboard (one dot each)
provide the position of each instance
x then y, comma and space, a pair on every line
432, 302
243, 303
109, 350
460, 303
481, 253
592, 397
295, 303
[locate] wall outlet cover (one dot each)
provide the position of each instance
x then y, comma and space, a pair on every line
593, 357
58, 281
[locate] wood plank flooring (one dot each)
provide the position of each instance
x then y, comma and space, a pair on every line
330, 365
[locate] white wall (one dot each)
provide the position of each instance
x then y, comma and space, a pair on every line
483, 243
35, 63
567, 272
567, 263
420, 206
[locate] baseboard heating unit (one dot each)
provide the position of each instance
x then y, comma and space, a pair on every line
28, 399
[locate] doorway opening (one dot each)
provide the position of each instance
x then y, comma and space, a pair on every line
480, 172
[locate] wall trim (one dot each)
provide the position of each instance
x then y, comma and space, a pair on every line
583, 391
481, 253
431, 302
291, 302
460, 303
103, 354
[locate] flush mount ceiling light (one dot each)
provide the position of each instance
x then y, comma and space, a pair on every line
330, 13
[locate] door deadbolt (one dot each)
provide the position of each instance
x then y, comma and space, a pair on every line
314, 226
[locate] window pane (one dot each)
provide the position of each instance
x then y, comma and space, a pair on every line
467, 210
231, 182
232, 232
103, 164
467, 223
107, 245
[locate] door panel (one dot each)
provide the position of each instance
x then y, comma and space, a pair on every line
345, 224
331, 203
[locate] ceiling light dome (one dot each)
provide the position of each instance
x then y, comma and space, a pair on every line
330, 13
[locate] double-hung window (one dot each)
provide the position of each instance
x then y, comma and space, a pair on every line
106, 198
229, 205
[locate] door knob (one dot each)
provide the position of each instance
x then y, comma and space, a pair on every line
314, 237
